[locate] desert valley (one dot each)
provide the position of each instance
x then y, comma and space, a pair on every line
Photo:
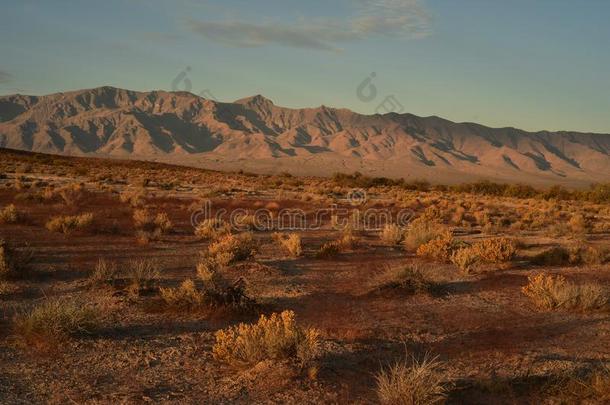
115, 289
394, 202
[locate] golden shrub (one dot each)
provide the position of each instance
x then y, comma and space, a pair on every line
392, 234
465, 259
555, 292
9, 215
421, 231
291, 243
495, 250
277, 338
212, 228
229, 249
439, 249
68, 224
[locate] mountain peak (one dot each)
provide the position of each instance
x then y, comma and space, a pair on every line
258, 100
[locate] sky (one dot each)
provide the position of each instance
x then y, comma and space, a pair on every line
535, 65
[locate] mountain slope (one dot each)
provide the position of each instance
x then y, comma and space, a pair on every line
254, 134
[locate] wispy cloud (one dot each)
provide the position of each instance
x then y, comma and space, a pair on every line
369, 18
5, 77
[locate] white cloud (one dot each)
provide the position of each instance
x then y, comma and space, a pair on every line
391, 18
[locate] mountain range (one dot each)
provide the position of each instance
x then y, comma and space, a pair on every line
253, 134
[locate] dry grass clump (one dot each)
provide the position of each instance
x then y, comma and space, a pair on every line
5, 288
72, 194
143, 276
186, 296
590, 255
150, 227
329, 249
421, 231
212, 229
392, 234
135, 198
215, 292
348, 240
144, 220
412, 279
276, 338
10, 215
290, 243
555, 292
105, 272
230, 249
68, 224
440, 248
578, 224
48, 324
418, 383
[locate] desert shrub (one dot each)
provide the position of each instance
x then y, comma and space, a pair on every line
495, 250
149, 226
9, 215
68, 224
328, 249
578, 224
276, 338
392, 234
418, 383
5, 288
162, 222
52, 321
290, 243
142, 219
348, 240
465, 259
145, 237
422, 231
584, 254
230, 249
212, 228
12, 261
143, 275
105, 272
245, 222
187, 296
215, 292
72, 194
439, 249
412, 279
135, 198
555, 292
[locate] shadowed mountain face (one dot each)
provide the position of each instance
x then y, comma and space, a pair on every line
256, 135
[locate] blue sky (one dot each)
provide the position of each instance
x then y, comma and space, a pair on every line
541, 64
